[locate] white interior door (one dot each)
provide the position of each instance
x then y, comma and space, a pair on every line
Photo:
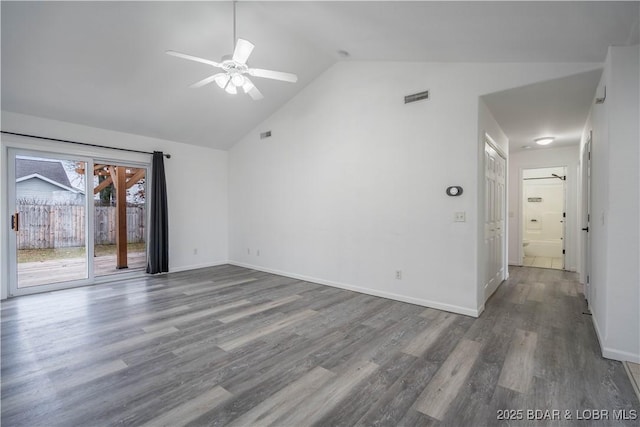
586, 217
543, 217
494, 235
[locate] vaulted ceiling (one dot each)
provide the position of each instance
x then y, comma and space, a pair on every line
103, 64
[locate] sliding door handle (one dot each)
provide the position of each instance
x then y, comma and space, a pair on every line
15, 221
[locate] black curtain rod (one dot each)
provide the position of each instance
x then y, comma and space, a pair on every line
168, 156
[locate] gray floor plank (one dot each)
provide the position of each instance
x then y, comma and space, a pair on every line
517, 370
285, 400
156, 350
191, 410
446, 384
426, 338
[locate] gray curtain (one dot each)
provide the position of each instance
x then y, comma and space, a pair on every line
158, 261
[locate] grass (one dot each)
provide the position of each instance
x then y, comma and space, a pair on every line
39, 255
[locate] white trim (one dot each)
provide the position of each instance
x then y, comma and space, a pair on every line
623, 356
418, 301
44, 178
612, 353
495, 146
50, 181
196, 266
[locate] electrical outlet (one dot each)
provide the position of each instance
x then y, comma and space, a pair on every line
248, 251
258, 252
460, 217
399, 274
195, 251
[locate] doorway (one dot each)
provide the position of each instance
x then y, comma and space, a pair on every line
73, 219
544, 217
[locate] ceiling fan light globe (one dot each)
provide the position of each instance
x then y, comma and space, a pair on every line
222, 81
238, 80
231, 89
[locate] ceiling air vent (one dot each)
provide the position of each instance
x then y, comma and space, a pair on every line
416, 97
266, 134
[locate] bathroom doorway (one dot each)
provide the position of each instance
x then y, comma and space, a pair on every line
544, 217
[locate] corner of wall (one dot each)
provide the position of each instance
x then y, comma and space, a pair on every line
4, 272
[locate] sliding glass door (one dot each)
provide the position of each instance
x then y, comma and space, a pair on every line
74, 220
48, 205
120, 215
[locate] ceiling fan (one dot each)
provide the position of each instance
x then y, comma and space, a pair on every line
235, 70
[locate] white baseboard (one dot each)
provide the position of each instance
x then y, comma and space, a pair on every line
622, 356
612, 353
197, 266
389, 295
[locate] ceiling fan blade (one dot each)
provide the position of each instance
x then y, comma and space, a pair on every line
253, 91
242, 51
191, 58
275, 75
206, 81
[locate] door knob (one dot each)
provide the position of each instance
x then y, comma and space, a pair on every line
586, 229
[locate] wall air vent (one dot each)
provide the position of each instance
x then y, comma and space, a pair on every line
416, 97
266, 134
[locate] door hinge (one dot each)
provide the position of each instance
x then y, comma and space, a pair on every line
587, 278
563, 252
564, 214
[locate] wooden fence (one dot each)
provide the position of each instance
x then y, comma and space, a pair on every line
63, 225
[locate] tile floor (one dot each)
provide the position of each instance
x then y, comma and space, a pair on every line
543, 262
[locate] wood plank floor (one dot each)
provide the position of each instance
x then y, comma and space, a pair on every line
36, 273
233, 346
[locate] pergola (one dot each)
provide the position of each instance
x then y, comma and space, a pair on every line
122, 178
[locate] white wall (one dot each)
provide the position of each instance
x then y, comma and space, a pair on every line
543, 158
350, 187
615, 195
196, 185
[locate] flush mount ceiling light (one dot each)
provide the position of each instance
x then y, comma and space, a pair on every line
235, 70
546, 140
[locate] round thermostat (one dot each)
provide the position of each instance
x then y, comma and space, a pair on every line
454, 190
